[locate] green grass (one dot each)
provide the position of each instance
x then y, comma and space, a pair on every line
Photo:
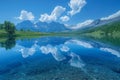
3, 33
27, 33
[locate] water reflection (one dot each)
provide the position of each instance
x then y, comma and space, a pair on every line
26, 52
112, 51
76, 61
8, 43
54, 51
80, 43
64, 48
51, 58
60, 52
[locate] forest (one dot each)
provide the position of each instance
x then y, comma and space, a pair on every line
111, 30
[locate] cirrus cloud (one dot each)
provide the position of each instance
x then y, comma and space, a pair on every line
82, 24
117, 14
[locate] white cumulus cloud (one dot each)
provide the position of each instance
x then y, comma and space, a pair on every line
64, 18
82, 25
55, 14
117, 14
25, 15
76, 6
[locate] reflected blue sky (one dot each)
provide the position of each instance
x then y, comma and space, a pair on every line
52, 51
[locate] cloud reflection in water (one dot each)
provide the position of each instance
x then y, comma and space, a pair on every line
59, 51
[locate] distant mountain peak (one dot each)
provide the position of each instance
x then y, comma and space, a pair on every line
41, 26
96, 22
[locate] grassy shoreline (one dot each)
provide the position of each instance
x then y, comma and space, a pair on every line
3, 34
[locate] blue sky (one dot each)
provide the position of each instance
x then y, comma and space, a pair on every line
64, 11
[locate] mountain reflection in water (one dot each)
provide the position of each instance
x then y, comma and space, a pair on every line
60, 58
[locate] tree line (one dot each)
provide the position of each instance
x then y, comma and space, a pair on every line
107, 29
8, 27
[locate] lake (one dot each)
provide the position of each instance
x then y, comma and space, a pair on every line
59, 58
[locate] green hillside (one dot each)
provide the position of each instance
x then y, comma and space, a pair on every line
109, 30
109, 33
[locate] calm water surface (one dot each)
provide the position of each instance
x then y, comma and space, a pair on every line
59, 58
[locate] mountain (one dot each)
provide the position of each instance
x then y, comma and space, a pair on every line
41, 26
25, 25
95, 23
108, 31
51, 27
100, 22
